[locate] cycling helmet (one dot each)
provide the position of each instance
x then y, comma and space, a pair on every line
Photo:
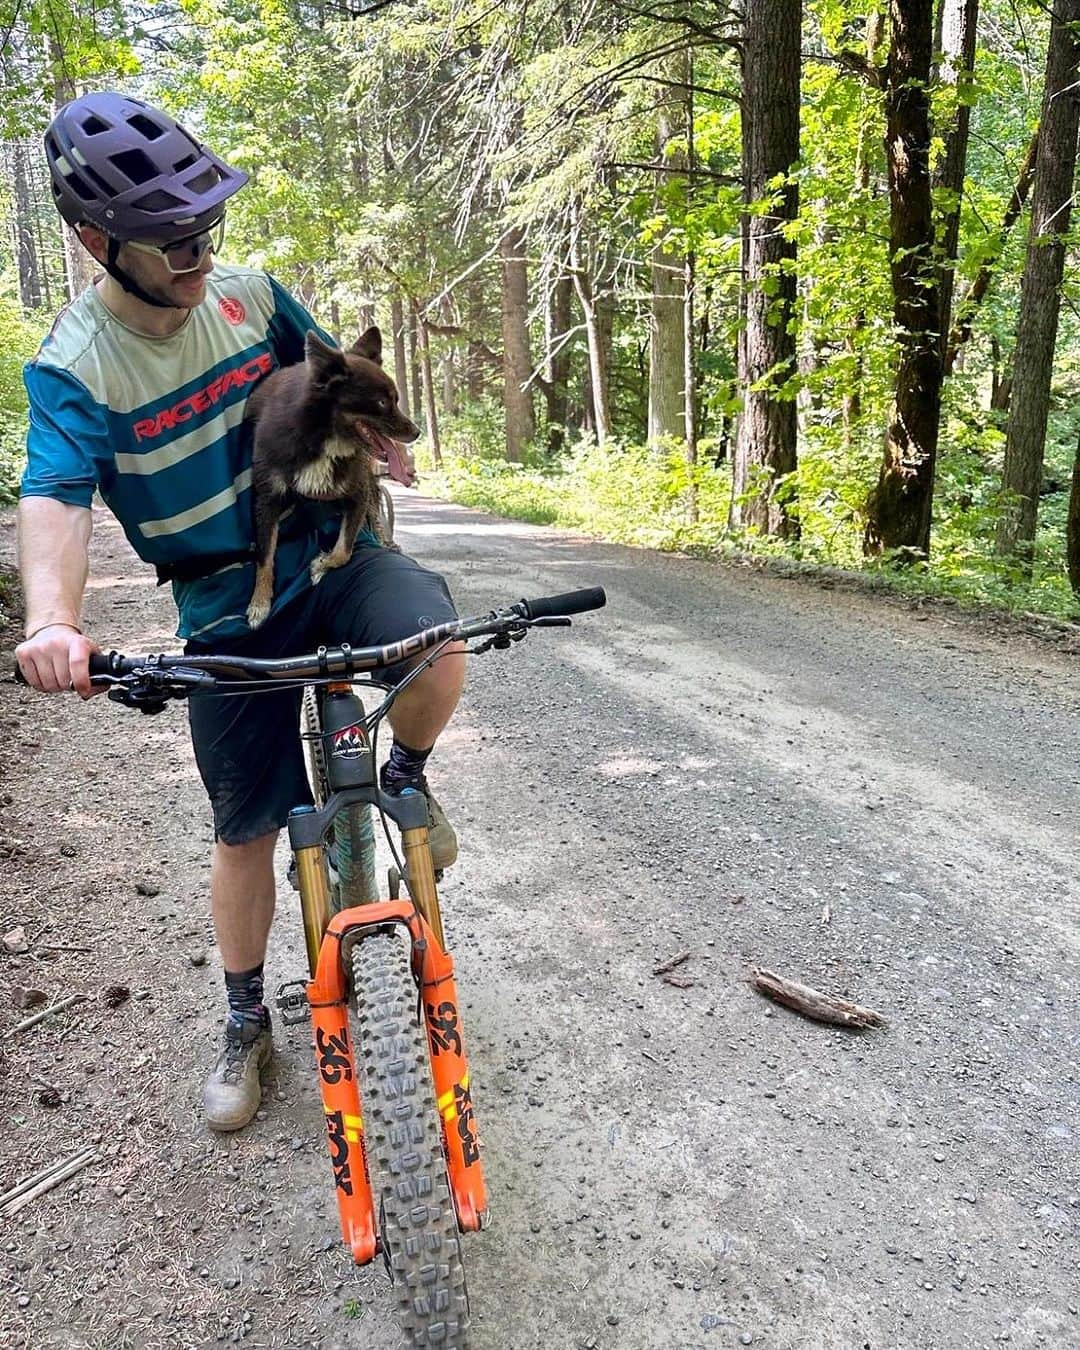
133, 172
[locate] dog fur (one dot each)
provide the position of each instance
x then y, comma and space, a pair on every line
318, 425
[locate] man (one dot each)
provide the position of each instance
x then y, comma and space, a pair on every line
139, 392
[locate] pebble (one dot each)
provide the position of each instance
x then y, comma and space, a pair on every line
197, 958
746, 1338
147, 888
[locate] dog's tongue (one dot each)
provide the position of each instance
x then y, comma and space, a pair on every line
398, 460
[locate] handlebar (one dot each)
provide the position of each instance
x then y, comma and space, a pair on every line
570, 602
149, 681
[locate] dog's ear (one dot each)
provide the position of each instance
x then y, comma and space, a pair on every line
323, 360
369, 344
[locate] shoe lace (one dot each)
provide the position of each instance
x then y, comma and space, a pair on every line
236, 1053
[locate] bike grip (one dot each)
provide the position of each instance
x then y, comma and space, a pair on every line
99, 664
570, 602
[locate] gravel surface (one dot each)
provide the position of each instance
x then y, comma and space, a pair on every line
874, 799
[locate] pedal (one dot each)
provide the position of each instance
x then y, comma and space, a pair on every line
292, 1002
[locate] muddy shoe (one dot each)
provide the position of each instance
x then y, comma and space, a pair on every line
441, 836
232, 1093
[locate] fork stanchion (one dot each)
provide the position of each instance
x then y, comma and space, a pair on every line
314, 900
420, 877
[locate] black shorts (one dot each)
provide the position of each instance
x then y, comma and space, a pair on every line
248, 747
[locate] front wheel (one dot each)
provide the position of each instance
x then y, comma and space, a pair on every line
404, 1144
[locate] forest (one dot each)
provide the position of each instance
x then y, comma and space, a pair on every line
770, 278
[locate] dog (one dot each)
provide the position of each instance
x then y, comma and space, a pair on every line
319, 424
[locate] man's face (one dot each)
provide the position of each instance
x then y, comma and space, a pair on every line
184, 290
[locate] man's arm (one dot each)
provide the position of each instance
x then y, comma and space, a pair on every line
54, 541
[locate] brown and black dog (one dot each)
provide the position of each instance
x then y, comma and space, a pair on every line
318, 426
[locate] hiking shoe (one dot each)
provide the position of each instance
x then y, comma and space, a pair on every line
232, 1093
441, 836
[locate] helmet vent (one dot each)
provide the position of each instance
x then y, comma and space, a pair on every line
135, 165
85, 191
94, 126
185, 163
105, 186
157, 201
204, 181
145, 127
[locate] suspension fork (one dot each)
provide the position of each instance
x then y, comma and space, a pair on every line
328, 998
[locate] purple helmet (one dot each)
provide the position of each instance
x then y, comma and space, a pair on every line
133, 172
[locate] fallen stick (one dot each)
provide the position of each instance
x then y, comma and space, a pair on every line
678, 981
812, 1003
46, 1012
52, 947
665, 966
48, 1177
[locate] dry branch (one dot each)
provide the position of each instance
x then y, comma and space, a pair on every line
812, 1003
45, 1012
46, 1180
665, 966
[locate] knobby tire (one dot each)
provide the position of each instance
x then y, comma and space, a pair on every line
403, 1133
353, 836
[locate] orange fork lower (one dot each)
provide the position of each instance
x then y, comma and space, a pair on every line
327, 999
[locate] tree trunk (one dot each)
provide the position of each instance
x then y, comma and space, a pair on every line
431, 414
875, 33
475, 365
959, 19
1072, 527
667, 318
968, 306
690, 400
597, 315
401, 374
449, 363
560, 319
517, 361
79, 266
1040, 297
414, 358
30, 290
900, 506
765, 448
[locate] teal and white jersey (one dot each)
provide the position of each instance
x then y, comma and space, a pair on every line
157, 424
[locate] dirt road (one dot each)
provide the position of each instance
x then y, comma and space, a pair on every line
718, 762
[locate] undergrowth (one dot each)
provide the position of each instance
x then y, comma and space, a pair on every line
629, 494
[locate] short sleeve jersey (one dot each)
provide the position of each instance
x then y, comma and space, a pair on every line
157, 425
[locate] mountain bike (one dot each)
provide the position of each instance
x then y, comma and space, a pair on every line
381, 994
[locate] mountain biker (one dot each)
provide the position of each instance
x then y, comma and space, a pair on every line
138, 392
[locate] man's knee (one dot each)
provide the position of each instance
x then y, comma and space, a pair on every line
446, 675
249, 851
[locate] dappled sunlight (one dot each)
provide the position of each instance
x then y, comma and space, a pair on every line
630, 767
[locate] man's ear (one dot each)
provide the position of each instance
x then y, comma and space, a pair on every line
323, 360
369, 344
95, 241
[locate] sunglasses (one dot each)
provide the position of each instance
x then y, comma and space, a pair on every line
185, 255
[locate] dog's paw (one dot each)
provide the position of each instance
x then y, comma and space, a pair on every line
257, 612
319, 567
